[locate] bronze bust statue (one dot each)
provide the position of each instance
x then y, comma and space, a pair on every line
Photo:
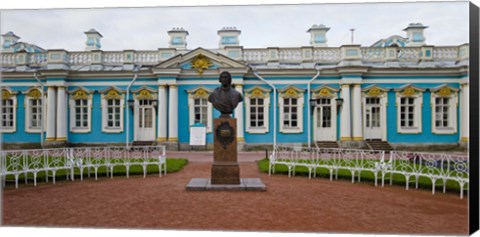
225, 98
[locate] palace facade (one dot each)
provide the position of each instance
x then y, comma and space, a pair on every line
399, 90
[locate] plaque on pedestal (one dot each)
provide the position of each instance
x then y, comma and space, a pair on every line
225, 169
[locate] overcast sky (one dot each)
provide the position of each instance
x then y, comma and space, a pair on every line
145, 28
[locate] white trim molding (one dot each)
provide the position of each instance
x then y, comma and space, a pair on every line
33, 93
257, 92
112, 93
375, 91
291, 92
447, 92
8, 94
199, 93
410, 92
325, 92
80, 93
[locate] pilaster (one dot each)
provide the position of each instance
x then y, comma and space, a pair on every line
345, 128
173, 115
239, 116
61, 131
51, 113
357, 113
162, 114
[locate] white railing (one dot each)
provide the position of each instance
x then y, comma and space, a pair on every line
327, 55
445, 53
50, 161
8, 59
332, 159
411, 165
147, 57
261, 55
255, 55
80, 58
434, 166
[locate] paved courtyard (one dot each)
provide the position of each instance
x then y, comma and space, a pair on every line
290, 204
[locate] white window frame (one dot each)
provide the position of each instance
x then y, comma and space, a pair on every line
28, 111
254, 93
199, 93
89, 98
418, 103
8, 94
452, 111
292, 92
112, 94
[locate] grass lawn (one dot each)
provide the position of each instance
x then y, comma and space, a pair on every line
397, 179
173, 165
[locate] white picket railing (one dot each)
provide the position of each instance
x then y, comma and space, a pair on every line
50, 161
434, 166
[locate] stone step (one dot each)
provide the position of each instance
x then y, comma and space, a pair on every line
327, 144
379, 145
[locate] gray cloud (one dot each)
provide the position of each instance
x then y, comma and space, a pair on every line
262, 26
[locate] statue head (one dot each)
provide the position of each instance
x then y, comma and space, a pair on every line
225, 78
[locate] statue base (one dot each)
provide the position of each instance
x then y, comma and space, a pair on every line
225, 168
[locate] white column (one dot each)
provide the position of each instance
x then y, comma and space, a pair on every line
345, 134
61, 115
173, 114
162, 114
51, 107
464, 113
239, 115
357, 113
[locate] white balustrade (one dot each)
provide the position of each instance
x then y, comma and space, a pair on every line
79, 58
113, 58
290, 54
409, 54
38, 59
147, 57
327, 54
373, 54
8, 59
445, 53
255, 55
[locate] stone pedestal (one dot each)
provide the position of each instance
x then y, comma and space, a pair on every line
225, 168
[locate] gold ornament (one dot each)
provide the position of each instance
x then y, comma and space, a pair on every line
444, 92
374, 92
291, 93
257, 93
409, 91
201, 63
80, 95
200, 93
112, 94
6, 94
324, 93
144, 94
35, 93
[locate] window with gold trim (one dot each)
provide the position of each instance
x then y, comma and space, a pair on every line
80, 110
409, 103
200, 111
444, 102
8, 110
33, 110
112, 110
257, 108
291, 109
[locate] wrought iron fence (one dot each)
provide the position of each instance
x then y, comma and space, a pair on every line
50, 161
411, 165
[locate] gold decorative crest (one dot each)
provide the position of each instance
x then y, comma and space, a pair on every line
257, 93
200, 93
409, 91
112, 94
374, 92
201, 63
80, 95
324, 93
144, 94
444, 92
6, 94
34, 93
291, 93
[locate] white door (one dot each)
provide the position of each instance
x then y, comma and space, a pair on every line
324, 121
144, 120
373, 128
